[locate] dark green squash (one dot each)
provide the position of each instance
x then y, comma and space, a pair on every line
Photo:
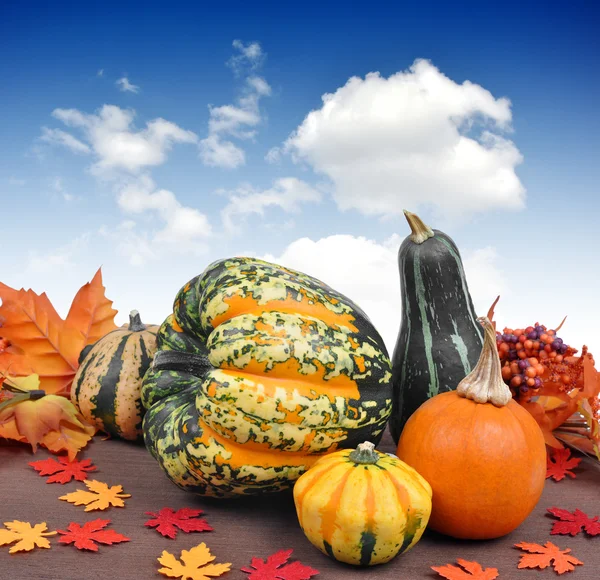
439, 340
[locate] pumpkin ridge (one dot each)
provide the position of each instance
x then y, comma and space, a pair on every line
329, 510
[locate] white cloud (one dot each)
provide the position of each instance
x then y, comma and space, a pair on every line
126, 87
416, 138
250, 56
286, 193
367, 272
100, 72
58, 137
116, 144
184, 228
238, 121
215, 152
58, 258
122, 153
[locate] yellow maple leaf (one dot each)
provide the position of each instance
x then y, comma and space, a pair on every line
194, 564
26, 536
48, 420
100, 496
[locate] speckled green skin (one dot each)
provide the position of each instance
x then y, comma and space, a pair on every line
293, 370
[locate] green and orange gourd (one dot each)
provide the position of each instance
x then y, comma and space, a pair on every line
107, 386
361, 506
260, 371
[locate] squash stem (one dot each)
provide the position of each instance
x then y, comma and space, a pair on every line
420, 231
135, 322
484, 384
365, 453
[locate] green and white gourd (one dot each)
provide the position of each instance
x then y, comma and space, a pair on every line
439, 340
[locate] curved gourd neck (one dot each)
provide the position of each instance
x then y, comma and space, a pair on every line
484, 384
420, 231
365, 454
135, 322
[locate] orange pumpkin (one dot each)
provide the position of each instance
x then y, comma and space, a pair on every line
483, 454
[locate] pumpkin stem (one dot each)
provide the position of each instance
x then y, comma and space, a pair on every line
420, 231
135, 322
365, 453
484, 384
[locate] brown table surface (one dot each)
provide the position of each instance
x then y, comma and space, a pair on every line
245, 528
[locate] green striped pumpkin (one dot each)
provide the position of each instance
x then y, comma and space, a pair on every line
440, 339
106, 388
260, 371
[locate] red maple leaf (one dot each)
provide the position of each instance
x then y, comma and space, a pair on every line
166, 521
84, 537
273, 568
64, 471
559, 464
573, 523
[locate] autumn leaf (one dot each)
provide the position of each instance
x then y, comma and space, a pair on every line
573, 523
48, 420
44, 344
559, 464
194, 564
100, 496
26, 536
63, 470
166, 521
470, 571
276, 567
85, 537
544, 556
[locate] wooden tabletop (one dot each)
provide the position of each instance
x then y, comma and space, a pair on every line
246, 528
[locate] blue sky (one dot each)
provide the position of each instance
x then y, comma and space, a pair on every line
154, 142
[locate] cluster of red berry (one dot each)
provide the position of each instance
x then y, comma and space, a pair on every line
524, 353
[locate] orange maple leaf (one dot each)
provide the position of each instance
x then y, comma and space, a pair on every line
471, 571
543, 556
99, 496
44, 344
48, 420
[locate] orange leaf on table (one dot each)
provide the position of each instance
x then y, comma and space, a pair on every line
50, 421
194, 564
44, 344
99, 496
544, 556
26, 536
470, 571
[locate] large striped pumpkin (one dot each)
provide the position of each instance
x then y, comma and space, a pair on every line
361, 506
107, 386
259, 372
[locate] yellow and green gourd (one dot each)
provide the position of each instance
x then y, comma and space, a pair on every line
261, 370
106, 388
361, 506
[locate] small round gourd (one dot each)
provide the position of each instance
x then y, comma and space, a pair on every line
107, 386
361, 506
483, 454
